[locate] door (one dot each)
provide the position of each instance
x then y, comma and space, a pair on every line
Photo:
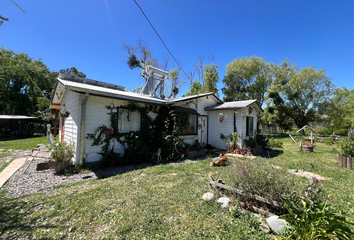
204, 130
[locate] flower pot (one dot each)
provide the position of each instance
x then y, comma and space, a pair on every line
307, 148
230, 149
60, 166
237, 151
243, 152
249, 154
113, 163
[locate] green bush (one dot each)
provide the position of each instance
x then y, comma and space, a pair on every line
62, 151
325, 131
346, 147
275, 143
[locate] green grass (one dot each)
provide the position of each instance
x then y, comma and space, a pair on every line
158, 202
23, 144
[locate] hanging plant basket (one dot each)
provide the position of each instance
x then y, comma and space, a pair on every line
64, 113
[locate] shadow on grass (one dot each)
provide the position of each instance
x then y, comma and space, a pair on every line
271, 153
13, 218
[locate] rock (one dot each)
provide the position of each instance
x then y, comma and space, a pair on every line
224, 201
264, 226
275, 224
208, 196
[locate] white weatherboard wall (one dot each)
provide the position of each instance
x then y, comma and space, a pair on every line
226, 127
71, 124
96, 116
197, 104
216, 127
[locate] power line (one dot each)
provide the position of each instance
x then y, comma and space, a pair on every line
161, 39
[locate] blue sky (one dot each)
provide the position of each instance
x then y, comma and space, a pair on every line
90, 34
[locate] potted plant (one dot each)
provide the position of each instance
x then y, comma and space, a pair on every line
64, 113
228, 140
187, 148
243, 151
237, 151
248, 151
62, 153
110, 158
234, 142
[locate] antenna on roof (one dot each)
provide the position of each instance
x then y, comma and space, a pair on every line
155, 82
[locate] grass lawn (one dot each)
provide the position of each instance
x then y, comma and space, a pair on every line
158, 202
23, 144
20, 144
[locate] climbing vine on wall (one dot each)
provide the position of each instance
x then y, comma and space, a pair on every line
139, 146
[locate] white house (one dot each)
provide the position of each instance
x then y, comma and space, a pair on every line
86, 100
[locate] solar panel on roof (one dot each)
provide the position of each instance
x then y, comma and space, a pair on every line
71, 78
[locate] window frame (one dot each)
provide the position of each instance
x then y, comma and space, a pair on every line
130, 114
249, 126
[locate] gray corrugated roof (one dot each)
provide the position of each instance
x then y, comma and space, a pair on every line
195, 96
81, 87
18, 117
230, 105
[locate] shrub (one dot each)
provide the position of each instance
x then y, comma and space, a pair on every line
312, 217
62, 151
262, 140
346, 147
325, 131
263, 179
275, 143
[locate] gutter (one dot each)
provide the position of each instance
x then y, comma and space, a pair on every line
82, 128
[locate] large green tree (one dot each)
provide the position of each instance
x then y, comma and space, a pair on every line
73, 71
297, 95
247, 78
340, 110
210, 79
23, 81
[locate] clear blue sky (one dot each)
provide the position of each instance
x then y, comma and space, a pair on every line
89, 34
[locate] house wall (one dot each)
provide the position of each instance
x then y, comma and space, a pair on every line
197, 104
71, 124
226, 127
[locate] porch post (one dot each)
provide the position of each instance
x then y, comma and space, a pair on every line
56, 124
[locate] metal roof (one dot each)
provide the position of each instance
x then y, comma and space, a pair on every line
15, 117
231, 105
106, 92
195, 96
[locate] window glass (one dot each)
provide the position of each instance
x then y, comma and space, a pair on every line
188, 123
249, 126
128, 121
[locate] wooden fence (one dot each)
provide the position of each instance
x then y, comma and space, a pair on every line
345, 162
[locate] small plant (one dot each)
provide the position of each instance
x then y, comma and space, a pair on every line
64, 113
62, 154
262, 140
315, 220
109, 156
62, 151
196, 146
250, 143
235, 136
346, 147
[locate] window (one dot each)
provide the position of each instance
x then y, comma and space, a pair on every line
249, 126
128, 121
188, 123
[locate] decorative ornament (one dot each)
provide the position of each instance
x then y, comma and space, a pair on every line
221, 117
64, 113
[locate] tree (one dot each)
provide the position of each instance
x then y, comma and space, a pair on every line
340, 109
247, 78
298, 95
22, 81
73, 71
210, 78
3, 19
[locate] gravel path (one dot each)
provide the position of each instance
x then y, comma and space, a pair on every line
39, 177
